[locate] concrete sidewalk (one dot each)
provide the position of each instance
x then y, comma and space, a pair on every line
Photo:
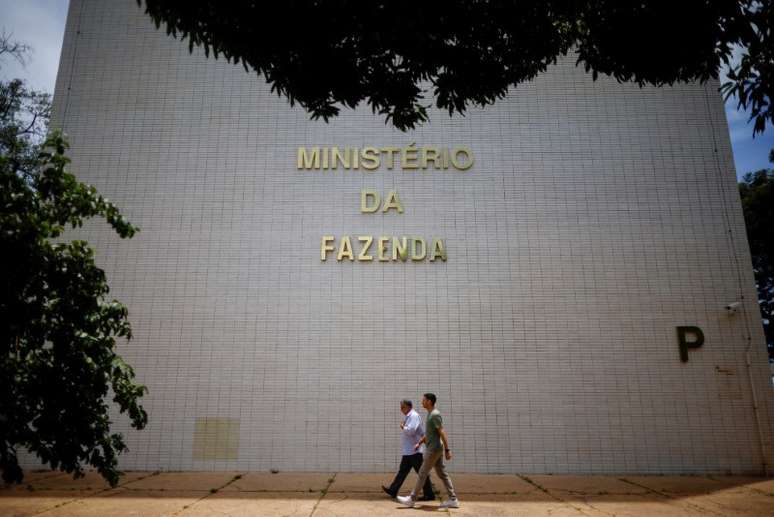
343, 494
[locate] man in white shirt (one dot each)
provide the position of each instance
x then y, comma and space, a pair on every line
412, 431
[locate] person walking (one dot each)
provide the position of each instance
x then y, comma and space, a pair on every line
412, 431
436, 449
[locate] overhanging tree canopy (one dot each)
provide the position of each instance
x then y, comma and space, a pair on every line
323, 55
59, 367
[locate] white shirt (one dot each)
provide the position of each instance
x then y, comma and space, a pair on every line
413, 431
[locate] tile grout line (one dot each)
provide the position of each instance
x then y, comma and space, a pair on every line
549, 494
323, 493
213, 491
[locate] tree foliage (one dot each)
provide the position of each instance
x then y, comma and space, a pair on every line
58, 363
399, 56
752, 80
757, 192
24, 114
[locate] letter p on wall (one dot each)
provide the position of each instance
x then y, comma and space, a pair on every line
683, 342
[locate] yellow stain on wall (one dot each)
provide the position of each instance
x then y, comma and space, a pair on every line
216, 439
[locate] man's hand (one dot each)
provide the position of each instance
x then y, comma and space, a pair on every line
445, 441
417, 446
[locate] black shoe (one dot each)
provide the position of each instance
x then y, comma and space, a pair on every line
387, 491
427, 498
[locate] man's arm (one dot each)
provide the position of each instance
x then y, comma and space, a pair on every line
411, 425
420, 442
445, 440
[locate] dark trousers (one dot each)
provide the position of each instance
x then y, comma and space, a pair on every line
414, 461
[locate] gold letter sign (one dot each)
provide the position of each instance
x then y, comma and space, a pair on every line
369, 158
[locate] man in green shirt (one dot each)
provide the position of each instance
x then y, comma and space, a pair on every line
437, 448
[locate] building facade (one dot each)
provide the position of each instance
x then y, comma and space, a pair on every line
581, 223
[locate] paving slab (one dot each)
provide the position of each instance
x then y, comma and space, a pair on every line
280, 482
682, 485
520, 507
568, 487
182, 481
491, 484
724, 495
122, 502
764, 485
29, 483
463, 483
355, 505
265, 504
36, 476
33, 480
368, 483
91, 482
622, 505
303, 494
739, 501
529, 503
605, 495
493, 505
18, 503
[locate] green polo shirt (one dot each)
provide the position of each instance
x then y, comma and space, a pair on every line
432, 436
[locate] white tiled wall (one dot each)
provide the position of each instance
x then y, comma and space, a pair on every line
597, 218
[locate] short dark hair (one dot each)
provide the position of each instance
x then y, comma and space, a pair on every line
407, 402
430, 397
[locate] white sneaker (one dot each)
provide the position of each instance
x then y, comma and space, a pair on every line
450, 503
406, 500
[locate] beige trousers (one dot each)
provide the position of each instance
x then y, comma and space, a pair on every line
429, 460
